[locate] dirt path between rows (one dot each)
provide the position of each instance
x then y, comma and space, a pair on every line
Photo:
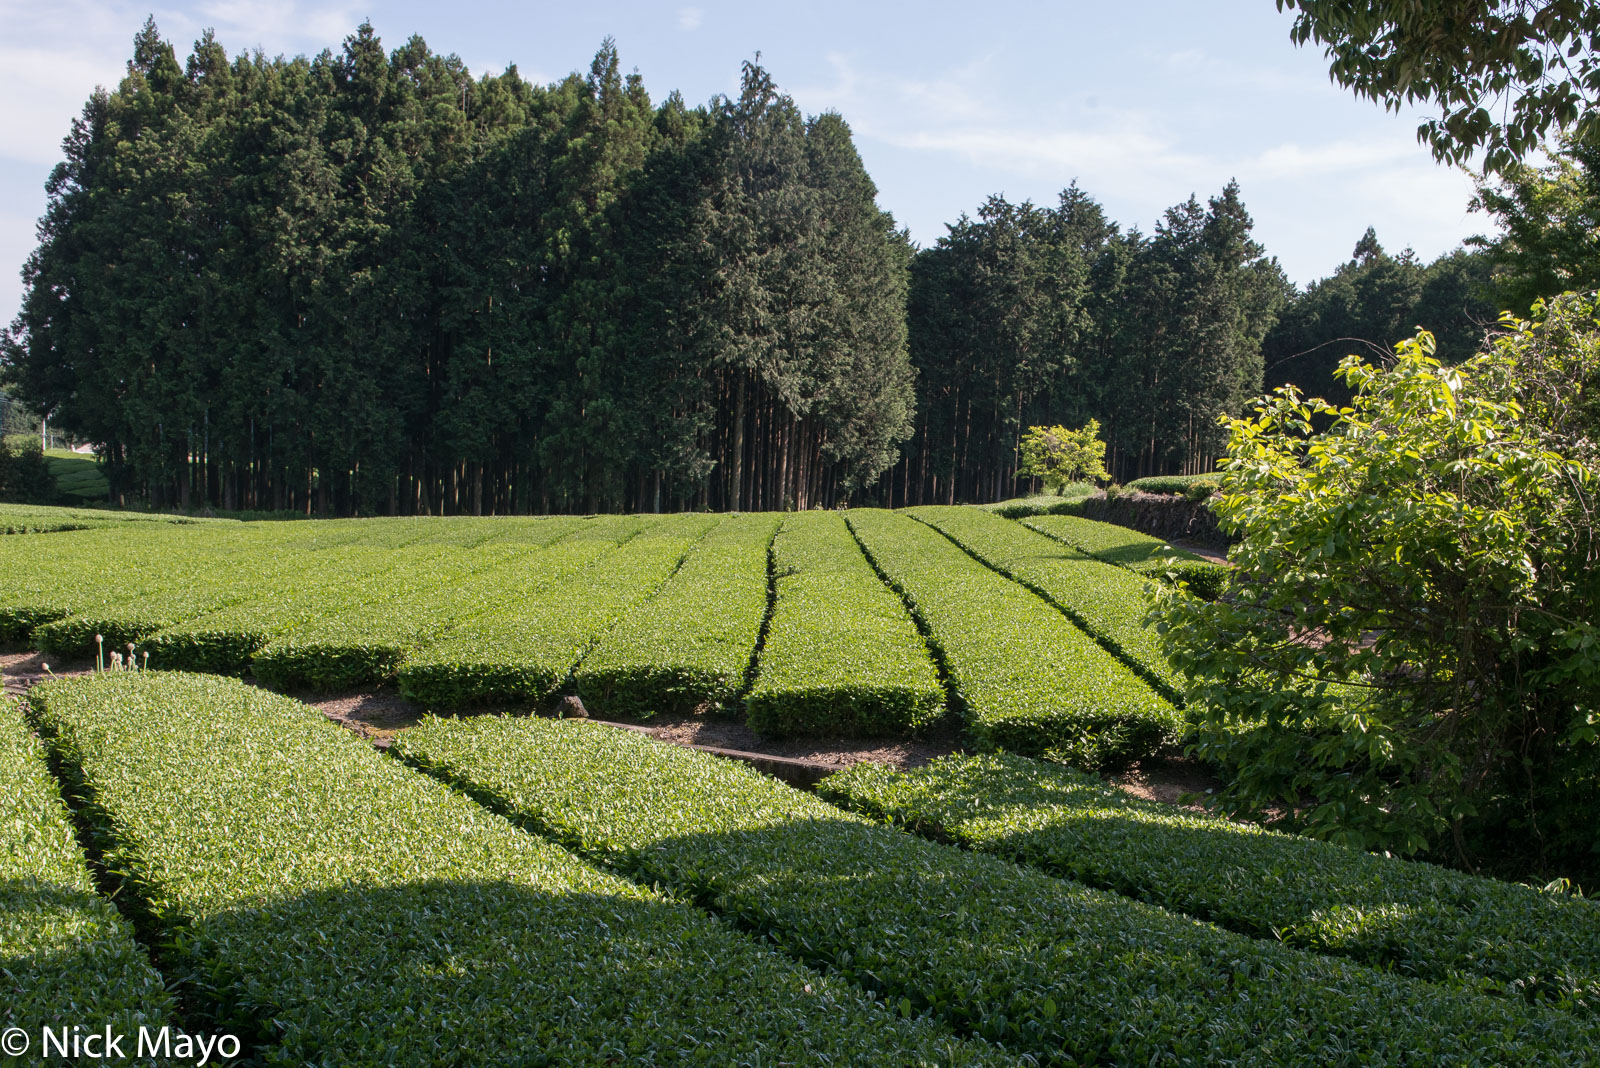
379, 714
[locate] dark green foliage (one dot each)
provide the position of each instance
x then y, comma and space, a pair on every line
1415, 918
1035, 316
332, 907
1370, 304
25, 475
1026, 677
1503, 73
1048, 967
1548, 242
690, 646
66, 956
841, 654
368, 282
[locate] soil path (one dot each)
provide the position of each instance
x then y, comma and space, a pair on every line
379, 714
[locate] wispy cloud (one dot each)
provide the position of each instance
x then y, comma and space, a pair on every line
1140, 155
53, 55
689, 18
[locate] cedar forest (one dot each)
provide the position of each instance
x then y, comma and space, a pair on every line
369, 283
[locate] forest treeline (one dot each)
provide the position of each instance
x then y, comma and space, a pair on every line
368, 282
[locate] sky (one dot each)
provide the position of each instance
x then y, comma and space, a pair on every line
1142, 104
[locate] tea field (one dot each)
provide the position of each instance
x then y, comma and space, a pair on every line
521, 890
182, 850
868, 623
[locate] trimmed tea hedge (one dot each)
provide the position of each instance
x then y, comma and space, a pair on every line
336, 908
223, 642
49, 519
66, 956
521, 648
1042, 504
841, 655
1174, 483
1416, 918
365, 643
430, 590
49, 578
215, 573
1109, 602
689, 647
1028, 679
123, 578
1048, 967
1132, 550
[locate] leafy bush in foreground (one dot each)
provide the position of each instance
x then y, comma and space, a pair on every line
66, 956
1027, 677
1046, 966
339, 909
1133, 550
689, 647
1109, 602
1418, 919
841, 655
1438, 537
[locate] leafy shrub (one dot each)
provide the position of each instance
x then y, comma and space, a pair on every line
1027, 678
1134, 551
25, 475
339, 909
1417, 919
1438, 537
1180, 484
689, 647
1109, 602
1050, 968
69, 957
521, 648
841, 655
1060, 457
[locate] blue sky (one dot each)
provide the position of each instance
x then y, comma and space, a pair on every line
1142, 103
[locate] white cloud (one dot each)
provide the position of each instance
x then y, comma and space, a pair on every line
876, 104
52, 56
1137, 158
689, 18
